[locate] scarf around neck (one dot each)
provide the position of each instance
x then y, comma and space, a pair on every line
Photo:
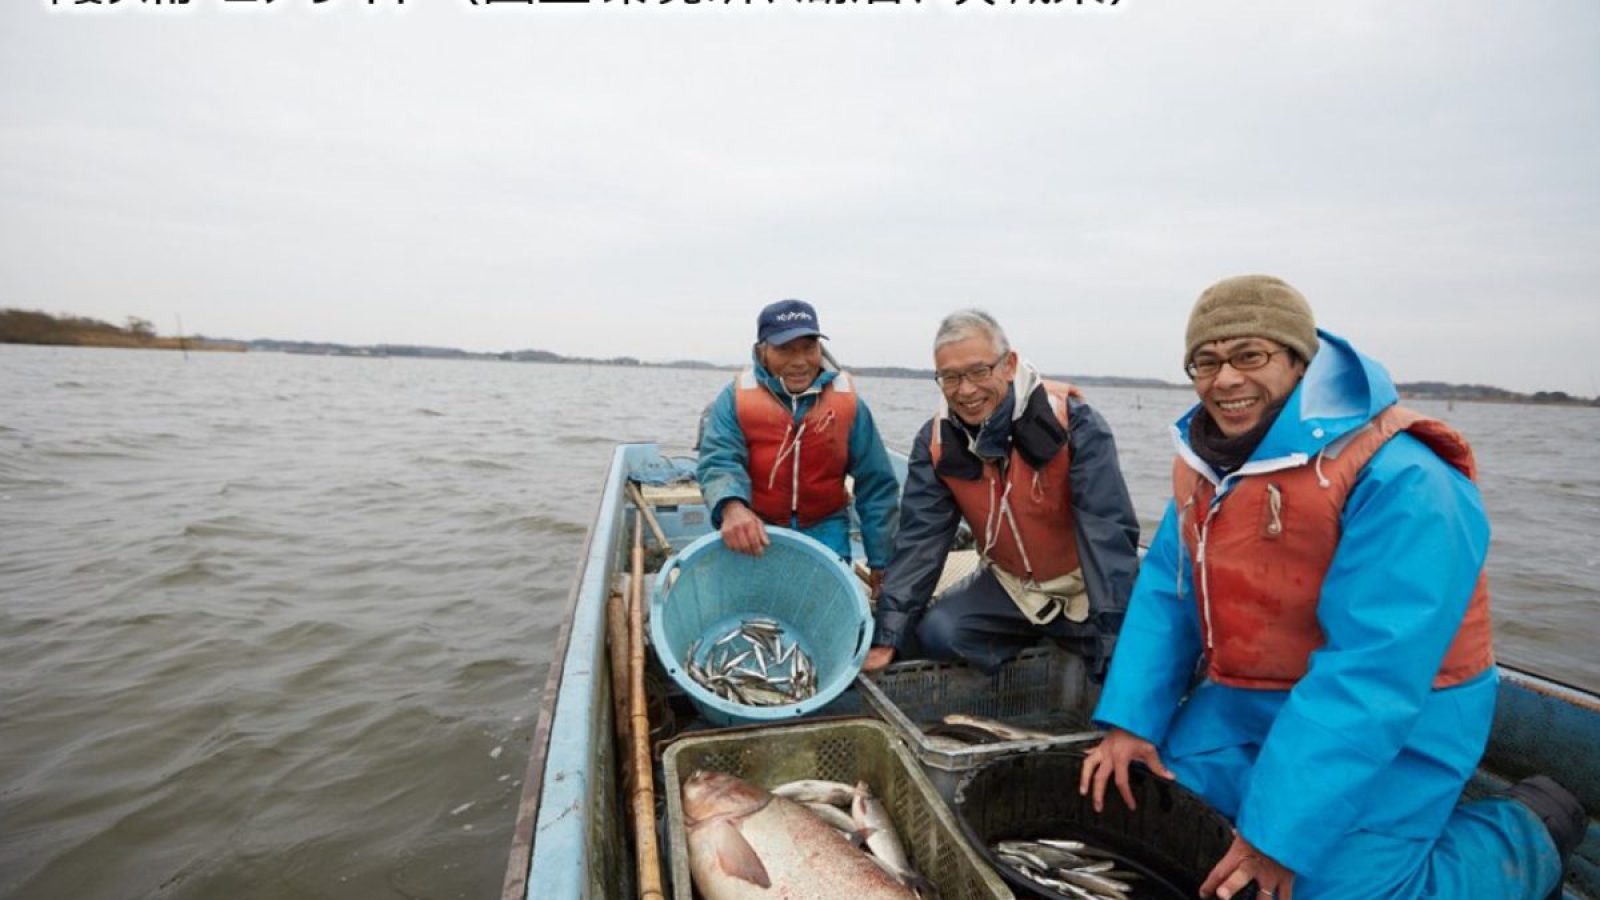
1223, 453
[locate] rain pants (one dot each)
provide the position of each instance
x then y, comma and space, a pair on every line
1351, 778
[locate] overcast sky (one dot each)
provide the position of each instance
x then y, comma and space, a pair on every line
604, 179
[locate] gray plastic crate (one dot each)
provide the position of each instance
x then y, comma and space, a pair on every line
1042, 689
846, 750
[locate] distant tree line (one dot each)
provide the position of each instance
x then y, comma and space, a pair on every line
18, 326
1483, 393
22, 326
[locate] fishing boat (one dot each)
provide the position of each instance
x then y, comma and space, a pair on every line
573, 835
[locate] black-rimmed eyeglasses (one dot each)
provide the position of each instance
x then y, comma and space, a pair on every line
1242, 361
951, 380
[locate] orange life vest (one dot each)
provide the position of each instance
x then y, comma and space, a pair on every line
1258, 567
796, 469
1022, 517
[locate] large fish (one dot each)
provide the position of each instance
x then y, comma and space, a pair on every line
747, 843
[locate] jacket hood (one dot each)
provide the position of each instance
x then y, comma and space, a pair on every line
1341, 391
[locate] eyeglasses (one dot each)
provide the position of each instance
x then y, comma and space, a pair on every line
952, 380
1242, 361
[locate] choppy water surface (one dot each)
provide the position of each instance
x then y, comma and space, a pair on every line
275, 626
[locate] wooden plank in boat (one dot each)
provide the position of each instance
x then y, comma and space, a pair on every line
682, 494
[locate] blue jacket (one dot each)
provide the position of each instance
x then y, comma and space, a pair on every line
724, 471
1362, 742
1107, 528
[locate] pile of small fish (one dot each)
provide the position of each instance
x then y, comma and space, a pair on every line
1070, 868
860, 816
754, 665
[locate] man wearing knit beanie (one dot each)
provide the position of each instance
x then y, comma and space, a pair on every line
1246, 320
1252, 306
1321, 561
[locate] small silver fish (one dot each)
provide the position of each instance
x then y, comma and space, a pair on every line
871, 816
813, 790
836, 817
997, 728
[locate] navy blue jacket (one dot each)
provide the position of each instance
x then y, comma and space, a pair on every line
1107, 528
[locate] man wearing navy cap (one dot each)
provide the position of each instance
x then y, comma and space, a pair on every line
779, 441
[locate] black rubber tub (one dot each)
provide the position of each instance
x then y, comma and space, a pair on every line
1172, 840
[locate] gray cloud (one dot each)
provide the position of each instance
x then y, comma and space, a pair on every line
639, 180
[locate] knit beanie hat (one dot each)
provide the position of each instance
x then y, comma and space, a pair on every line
1252, 306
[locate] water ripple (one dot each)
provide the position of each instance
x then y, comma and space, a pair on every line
276, 628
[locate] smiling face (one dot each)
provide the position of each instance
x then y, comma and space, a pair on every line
974, 399
1236, 400
796, 363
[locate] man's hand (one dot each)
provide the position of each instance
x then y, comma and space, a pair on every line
877, 658
742, 529
874, 584
1243, 864
1111, 757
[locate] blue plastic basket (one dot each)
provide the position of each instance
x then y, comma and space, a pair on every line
796, 581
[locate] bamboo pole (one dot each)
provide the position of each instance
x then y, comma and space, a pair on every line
644, 793
637, 496
617, 655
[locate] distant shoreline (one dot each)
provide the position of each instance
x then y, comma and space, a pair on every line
31, 327
19, 326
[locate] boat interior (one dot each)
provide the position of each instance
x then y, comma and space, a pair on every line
575, 835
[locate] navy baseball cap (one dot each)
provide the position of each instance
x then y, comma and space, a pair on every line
786, 320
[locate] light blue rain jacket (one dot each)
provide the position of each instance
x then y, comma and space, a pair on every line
1362, 742
725, 475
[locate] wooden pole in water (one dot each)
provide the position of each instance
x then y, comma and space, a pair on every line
644, 792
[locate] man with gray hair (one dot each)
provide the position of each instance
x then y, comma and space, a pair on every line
1034, 473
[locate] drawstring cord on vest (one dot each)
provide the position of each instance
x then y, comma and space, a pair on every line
991, 532
1204, 586
991, 523
1184, 511
785, 448
1275, 509
1321, 482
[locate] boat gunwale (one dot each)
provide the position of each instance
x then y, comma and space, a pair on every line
515, 885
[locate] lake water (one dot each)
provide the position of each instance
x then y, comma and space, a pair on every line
275, 626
